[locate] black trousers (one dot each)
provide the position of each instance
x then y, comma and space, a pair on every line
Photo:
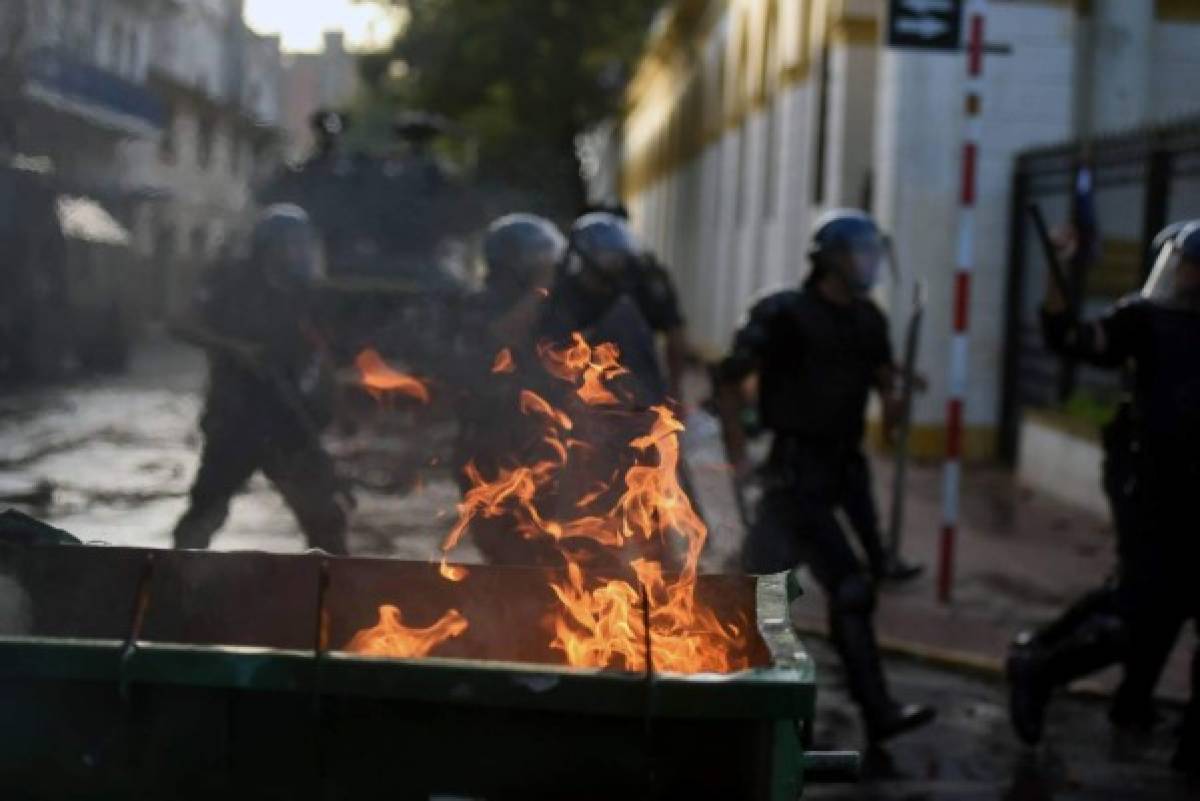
806, 484
1158, 596
299, 468
1159, 557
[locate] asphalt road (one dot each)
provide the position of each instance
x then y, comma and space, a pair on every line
970, 754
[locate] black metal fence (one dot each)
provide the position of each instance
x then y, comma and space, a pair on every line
1142, 180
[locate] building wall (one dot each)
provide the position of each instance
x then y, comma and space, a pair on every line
222, 84
312, 81
1028, 100
717, 165
805, 88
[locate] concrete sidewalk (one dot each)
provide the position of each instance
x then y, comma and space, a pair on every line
1021, 557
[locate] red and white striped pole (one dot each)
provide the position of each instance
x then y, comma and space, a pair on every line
975, 13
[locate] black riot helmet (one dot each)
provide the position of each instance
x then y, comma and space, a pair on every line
1177, 267
605, 252
285, 247
848, 243
328, 129
518, 248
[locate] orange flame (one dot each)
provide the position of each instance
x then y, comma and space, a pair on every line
588, 366
601, 622
452, 572
504, 362
381, 380
532, 403
390, 637
606, 622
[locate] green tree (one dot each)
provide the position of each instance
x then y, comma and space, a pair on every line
523, 77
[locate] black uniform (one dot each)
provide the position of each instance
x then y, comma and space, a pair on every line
1160, 543
655, 295
264, 418
817, 362
619, 319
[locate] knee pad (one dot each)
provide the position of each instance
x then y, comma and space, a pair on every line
854, 594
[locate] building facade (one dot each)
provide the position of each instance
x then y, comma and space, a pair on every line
164, 111
220, 84
73, 85
748, 118
327, 79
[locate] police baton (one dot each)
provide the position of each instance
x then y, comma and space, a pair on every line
1056, 269
1059, 276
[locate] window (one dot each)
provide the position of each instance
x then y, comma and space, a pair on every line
739, 208
116, 48
133, 53
199, 243
204, 142
164, 242
774, 118
741, 84
166, 147
235, 154
822, 124
771, 163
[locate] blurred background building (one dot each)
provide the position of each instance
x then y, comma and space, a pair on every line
220, 85
325, 79
162, 112
748, 118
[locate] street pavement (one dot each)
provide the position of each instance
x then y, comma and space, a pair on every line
120, 453
970, 754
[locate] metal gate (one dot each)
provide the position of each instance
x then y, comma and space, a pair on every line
1141, 181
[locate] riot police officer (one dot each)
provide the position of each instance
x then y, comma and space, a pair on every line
595, 294
541, 286
819, 351
1157, 336
653, 289
269, 393
1090, 634
522, 253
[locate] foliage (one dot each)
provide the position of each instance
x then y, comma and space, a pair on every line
1090, 409
523, 77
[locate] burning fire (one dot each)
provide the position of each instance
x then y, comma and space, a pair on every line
587, 366
504, 362
602, 621
390, 637
452, 572
381, 380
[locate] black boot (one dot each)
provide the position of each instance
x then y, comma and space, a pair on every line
897, 571
1028, 689
1039, 663
196, 528
884, 718
898, 719
1187, 754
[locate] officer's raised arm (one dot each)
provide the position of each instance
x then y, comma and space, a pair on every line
732, 375
1103, 342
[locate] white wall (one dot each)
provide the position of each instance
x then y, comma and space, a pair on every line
1175, 65
1027, 101
1120, 75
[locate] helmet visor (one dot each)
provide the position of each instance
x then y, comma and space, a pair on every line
295, 257
1163, 280
866, 260
612, 271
